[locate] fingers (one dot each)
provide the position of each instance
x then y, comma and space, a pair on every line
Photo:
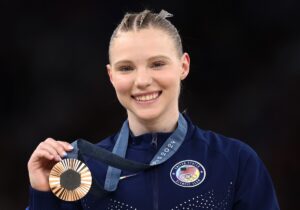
42, 160
44, 154
67, 146
52, 149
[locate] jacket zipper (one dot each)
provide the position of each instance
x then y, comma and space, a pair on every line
155, 175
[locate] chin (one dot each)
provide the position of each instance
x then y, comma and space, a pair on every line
148, 115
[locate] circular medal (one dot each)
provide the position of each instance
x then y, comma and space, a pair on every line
70, 179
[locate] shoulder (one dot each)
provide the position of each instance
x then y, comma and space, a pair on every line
221, 148
220, 143
216, 142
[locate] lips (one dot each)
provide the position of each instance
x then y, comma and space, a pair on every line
147, 97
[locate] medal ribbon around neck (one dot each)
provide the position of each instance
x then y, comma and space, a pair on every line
115, 159
170, 146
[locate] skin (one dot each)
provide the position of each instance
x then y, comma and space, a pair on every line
43, 159
142, 63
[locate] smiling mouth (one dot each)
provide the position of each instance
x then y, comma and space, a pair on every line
147, 97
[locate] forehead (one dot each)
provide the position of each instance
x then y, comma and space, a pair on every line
140, 44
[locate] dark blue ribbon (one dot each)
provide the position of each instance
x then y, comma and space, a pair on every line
116, 159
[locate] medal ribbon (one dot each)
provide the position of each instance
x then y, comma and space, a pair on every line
116, 159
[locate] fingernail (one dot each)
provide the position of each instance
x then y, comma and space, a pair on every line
70, 147
65, 154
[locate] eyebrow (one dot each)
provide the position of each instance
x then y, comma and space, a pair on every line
149, 59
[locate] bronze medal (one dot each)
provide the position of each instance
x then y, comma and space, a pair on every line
70, 179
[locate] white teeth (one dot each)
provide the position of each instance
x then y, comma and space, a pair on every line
147, 97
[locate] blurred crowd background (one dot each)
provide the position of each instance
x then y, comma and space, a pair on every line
244, 80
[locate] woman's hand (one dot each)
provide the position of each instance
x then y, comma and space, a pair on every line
43, 159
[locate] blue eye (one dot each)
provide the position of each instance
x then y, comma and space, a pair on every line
125, 68
157, 64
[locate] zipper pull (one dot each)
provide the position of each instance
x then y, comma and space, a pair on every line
154, 140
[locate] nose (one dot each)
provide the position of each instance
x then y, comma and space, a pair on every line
143, 78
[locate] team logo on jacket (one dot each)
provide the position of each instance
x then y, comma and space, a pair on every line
188, 173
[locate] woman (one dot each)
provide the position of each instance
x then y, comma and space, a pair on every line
190, 168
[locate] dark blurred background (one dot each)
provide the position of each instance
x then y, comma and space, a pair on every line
244, 79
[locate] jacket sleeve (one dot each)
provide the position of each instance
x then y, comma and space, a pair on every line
254, 187
47, 201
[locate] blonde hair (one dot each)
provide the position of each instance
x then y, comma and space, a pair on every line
147, 19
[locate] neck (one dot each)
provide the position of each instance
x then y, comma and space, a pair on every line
160, 124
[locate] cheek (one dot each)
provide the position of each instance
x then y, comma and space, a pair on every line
122, 85
171, 81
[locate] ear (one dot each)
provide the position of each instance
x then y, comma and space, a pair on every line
109, 72
185, 65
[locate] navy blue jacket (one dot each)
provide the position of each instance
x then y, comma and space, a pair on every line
209, 171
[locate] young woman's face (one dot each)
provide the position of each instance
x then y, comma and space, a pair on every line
146, 71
